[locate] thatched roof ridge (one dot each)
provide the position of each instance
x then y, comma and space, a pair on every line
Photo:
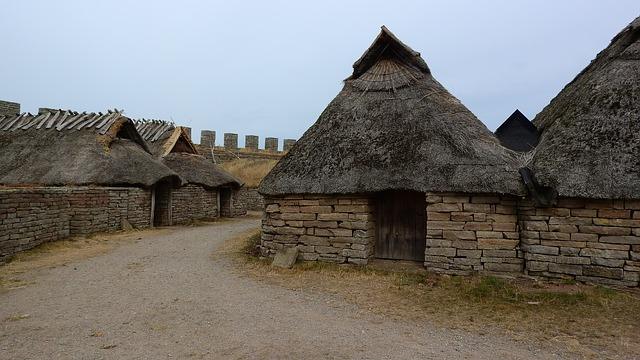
174, 147
590, 132
517, 132
162, 136
381, 136
69, 148
196, 169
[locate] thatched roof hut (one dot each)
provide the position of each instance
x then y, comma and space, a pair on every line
590, 132
70, 148
517, 133
393, 126
173, 146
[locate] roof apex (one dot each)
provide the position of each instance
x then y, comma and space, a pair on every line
379, 45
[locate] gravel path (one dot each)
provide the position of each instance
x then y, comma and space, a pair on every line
164, 296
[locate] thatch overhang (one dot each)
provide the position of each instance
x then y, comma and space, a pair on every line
173, 146
56, 148
196, 169
590, 132
517, 133
394, 127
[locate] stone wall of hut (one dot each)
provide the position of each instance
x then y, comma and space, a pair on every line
595, 241
587, 240
32, 216
193, 202
235, 208
470, 233
251, 199
325, 228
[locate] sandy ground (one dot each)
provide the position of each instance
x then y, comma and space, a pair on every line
164, 296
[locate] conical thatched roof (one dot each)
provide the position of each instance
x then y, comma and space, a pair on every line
70, 148
393, 126
172, 145
590, 133
517, 133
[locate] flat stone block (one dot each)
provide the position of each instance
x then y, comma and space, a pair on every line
459, 235
602, 271
474, 254
609, 254
448, 252
504, 244
501, 267
566, 269
285, 258
631, 240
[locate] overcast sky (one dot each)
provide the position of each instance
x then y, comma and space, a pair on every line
270, 67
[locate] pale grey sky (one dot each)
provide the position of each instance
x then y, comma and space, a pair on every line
270, 67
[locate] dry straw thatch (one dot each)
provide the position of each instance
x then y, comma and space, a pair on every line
69, 148
173, 146
590, 132
393, 126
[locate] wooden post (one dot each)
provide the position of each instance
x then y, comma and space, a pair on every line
218, 202
153, 204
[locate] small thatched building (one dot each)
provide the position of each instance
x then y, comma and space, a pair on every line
65, 173
396, 168
517, 133
208, 191
587, 168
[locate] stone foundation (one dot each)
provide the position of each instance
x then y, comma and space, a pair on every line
193, 202
596, 241
470, 233
32, 216
324, 228
586, 240
251, 199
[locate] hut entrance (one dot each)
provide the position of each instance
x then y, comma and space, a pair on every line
401, 225
225, 202
161, 203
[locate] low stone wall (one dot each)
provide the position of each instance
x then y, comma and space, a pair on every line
596, 241
193, 202
32, 216
334, 229
587, 240
237, 206
251, 199
95, 209
467, 233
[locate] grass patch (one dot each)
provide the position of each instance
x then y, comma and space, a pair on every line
251, 171
586, 319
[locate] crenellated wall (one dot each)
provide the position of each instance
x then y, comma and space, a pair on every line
251, 150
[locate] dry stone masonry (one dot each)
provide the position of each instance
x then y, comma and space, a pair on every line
251, 198
587, 240
596, 241
193, 202
32, 216
333, 229
467, 233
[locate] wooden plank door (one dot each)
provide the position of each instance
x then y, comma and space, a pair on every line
401, 225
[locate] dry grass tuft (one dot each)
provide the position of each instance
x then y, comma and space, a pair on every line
586, 319
248, 170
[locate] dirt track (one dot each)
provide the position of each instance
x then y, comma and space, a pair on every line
164, 296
